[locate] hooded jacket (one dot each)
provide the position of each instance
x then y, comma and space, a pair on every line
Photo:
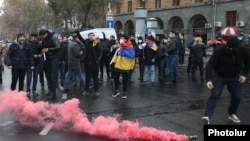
227, 63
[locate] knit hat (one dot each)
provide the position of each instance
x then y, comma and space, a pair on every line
233, 42
20, 35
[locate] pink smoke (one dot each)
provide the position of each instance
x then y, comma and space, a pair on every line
39, 114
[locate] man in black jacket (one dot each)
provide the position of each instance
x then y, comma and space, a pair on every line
227, 66
51, 51
19, 58
32, 75
91, 60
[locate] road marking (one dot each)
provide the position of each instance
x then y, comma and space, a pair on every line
46, 129
6, 123
64, 96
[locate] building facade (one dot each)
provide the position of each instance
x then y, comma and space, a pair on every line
202, 18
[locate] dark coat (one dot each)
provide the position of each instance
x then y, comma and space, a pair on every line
18, 57
228, 63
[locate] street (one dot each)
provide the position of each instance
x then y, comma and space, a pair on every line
175, 108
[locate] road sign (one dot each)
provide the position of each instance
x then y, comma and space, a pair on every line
109, 24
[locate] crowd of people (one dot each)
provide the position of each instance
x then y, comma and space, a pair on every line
62, 59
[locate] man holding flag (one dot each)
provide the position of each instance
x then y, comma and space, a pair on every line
150, 54
124, 62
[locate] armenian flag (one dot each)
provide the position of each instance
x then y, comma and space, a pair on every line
152, 45
124, 59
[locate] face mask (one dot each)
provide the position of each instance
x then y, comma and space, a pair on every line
165, 41
139, 41
121, 41
240, 38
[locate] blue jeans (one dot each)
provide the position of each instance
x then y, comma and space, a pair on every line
32, 76
149, 71
161, 69
171, 64
69, 75
234, 88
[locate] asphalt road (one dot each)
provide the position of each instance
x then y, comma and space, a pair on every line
176, 108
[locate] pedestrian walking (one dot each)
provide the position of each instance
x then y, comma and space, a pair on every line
19, 58
198, 51
228, 66
124, 62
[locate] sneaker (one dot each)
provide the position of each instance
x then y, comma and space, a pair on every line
124, 95
85, 93
116, 93
35, 94
96, 93
144, 82
205, 120
28, 94
234, 118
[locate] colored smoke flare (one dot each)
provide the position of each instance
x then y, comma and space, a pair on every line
69, 114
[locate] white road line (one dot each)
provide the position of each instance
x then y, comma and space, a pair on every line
6, 123
46, 129
64, 96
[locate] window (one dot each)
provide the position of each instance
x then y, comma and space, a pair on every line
197, 1
231, 18
142, 3
176, 2
129, 6
157, 3
118, 9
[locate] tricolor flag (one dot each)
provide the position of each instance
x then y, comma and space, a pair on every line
152, 45
124, 59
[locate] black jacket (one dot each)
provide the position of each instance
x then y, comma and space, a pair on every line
93, 51
20, 57
228, 63
52, 43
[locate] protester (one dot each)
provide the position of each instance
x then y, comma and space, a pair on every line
51, 51
228, 66
198, 51
91, 60
19, 58
32, 75
124, 62
74, 55
150, 55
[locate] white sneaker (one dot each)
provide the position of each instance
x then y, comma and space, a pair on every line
234, 118
205, 120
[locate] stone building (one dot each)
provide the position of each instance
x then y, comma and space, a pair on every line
202, 18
